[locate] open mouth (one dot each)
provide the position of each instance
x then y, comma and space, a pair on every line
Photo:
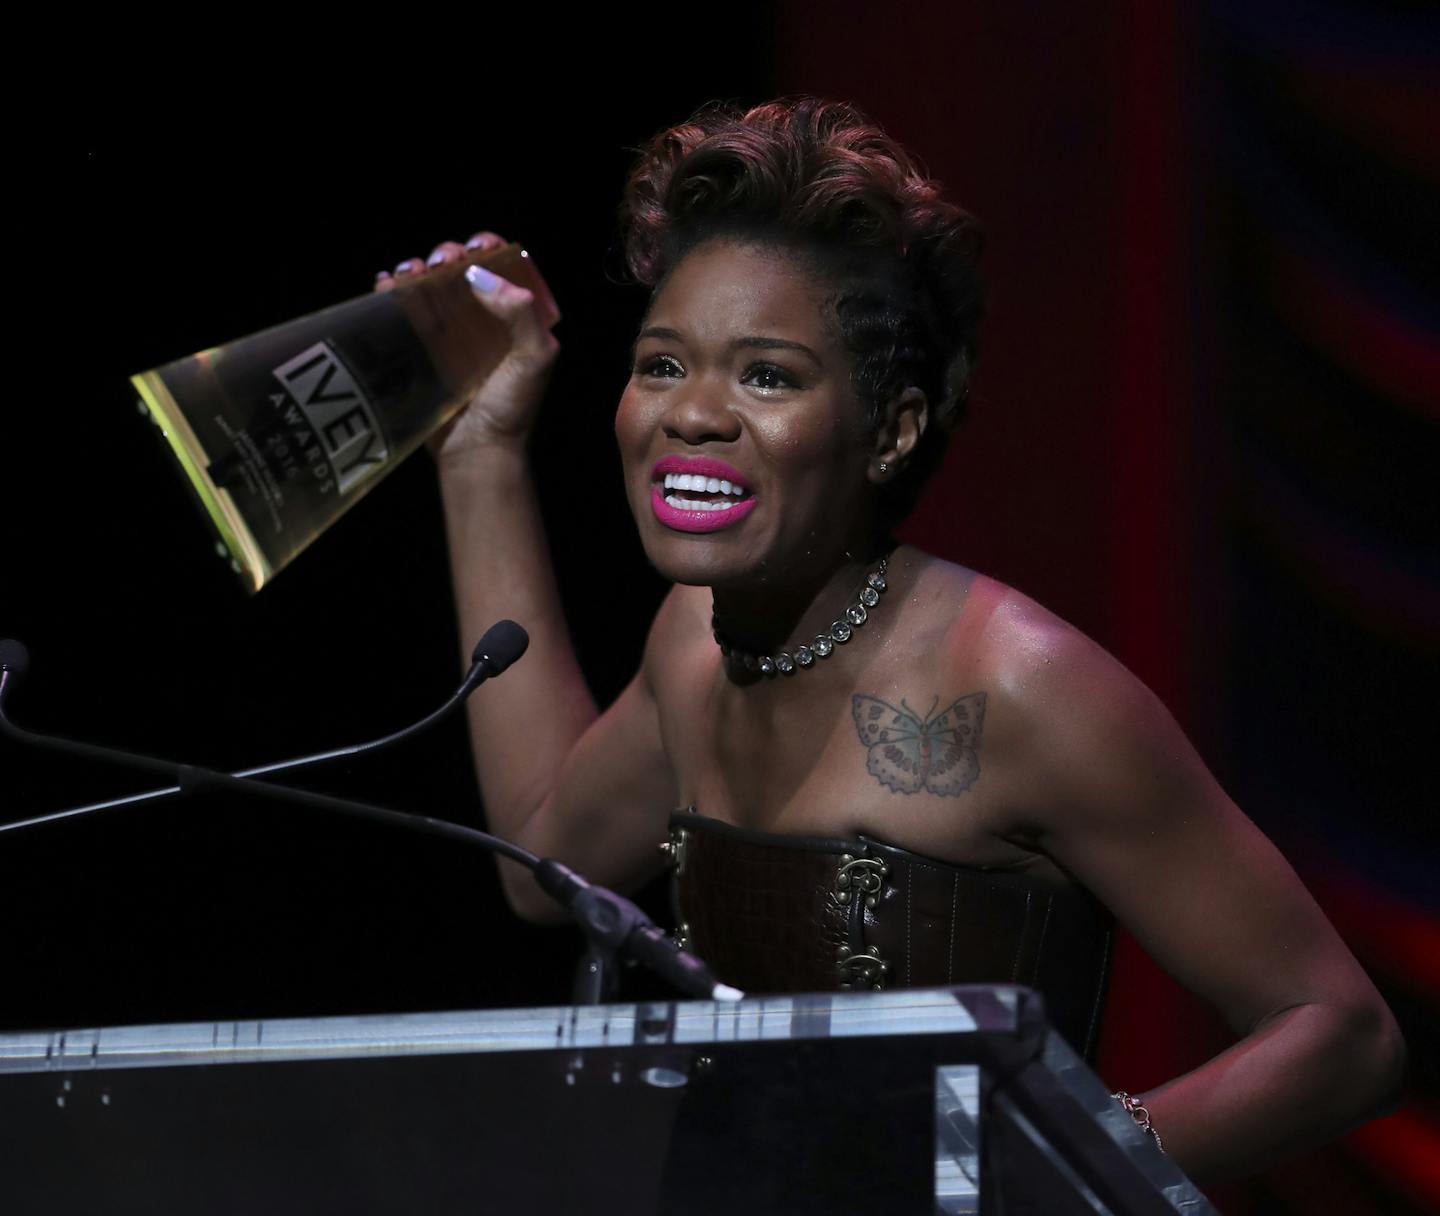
698, 494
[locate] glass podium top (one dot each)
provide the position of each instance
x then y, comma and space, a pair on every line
561, 1028
958, 1100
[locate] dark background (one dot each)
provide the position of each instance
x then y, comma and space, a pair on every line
1205, 432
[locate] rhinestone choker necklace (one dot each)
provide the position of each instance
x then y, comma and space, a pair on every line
824, 644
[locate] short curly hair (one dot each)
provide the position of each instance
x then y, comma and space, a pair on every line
820, 178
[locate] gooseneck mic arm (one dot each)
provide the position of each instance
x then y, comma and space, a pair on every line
610, 922
193, 780
502, 644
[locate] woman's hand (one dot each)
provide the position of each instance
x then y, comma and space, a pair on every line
554, 773
503, 412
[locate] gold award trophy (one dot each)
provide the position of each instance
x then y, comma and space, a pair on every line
280, 433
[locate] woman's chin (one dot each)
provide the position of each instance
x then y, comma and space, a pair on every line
699, 559
689, 569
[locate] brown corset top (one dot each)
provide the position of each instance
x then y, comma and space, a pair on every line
774, 913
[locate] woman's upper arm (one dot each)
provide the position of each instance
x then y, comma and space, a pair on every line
608, 813
1129, 809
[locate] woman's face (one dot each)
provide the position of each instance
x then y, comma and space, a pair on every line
743, 443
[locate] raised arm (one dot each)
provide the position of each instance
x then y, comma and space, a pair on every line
1131, 811
556, 775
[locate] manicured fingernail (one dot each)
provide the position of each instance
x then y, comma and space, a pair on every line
405, 267
435, 258
481, 279
382, 276
477, 242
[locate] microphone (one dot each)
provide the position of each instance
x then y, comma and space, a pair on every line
499, 647
14, 658
14, 662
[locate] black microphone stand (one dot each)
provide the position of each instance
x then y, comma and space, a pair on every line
610, 922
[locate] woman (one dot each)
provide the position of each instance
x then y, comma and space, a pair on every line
805, 354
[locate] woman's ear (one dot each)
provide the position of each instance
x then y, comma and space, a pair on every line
905, 420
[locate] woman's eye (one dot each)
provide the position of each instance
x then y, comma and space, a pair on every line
767, 376
658, 365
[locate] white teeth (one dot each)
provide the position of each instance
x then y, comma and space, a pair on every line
697, 483
692, 504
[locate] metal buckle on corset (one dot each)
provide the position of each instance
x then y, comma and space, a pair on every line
674, 852
674, 848
863, 874
863, 968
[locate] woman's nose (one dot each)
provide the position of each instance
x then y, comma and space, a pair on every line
702, 413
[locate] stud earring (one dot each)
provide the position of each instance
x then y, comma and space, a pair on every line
884, 468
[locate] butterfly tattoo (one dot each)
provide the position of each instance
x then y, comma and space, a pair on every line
909, 753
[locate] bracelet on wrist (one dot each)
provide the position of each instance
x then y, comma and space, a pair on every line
1136, 1110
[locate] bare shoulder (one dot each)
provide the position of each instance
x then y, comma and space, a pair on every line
1043, 664
1072, 731
979, 627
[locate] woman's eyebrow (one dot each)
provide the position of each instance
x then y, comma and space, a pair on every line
654, 331
749, 342
659, 331
760, 342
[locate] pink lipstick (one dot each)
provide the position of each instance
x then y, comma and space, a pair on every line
699, 494
698, 466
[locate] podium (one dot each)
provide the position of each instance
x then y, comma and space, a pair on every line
912, 1101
